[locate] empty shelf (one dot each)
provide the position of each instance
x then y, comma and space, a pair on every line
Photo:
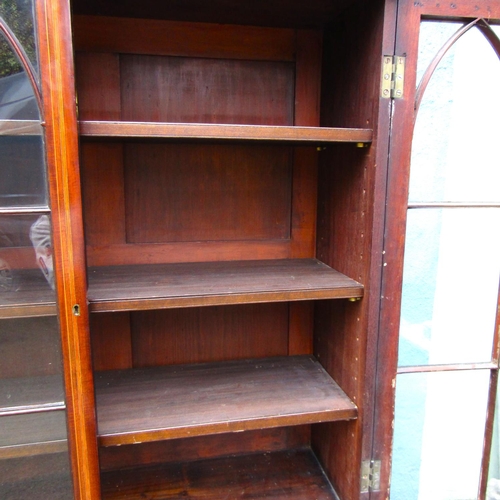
201, 131
153, 404
215, 283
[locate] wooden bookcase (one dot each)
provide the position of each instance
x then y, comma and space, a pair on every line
227, 188
227, 191
217, 182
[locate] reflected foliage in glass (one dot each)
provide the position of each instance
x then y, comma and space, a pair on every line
18, 14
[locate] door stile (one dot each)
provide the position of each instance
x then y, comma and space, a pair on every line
56, 62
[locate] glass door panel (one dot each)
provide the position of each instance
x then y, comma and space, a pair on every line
34, 461
449, 304
450, 286
438, 435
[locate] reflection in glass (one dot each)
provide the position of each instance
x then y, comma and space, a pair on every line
22, 154
19, 16
26, 268
438, 435
455, 154
450, 285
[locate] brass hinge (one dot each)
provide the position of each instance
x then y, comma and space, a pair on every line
393, 77
370, 476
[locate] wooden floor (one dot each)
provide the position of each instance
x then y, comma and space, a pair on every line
284, 475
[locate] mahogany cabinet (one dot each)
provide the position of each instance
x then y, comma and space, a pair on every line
218, 176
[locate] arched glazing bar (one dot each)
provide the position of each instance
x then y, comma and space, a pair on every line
483, 27
18, 49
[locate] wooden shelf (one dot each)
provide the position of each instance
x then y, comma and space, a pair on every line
22, 395
153, 404
283, 475
293, 134
31, 295
215, 283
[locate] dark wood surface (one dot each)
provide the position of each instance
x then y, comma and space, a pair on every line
294, 134
293, 474
200, 90
182, 39
21, 395
158, 403
286, 13
215, 283
204, 447
205, 334
199, 193
286, 475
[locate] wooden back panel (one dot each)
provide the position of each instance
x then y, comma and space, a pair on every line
172, 202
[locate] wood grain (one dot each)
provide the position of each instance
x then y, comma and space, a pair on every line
103, 193
159, 37
98, 86
282, 475
194, 335
215, 283
197, 90
203, 447
152, 404
196, 193
61, 138
111, 341
294, 134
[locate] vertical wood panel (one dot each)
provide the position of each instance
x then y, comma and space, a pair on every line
350, 229
301, 328
308, 77
206, 334
193, 192
111, 341
176, 450
98, 86
103, 193
305, 177
176, 89
56, 63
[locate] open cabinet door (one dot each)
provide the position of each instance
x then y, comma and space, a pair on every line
439, 315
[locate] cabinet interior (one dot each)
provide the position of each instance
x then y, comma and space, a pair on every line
227, 165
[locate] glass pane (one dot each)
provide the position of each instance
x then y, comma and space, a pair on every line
455, 155
19, 16
40, 477
22, 155
26, 269
450, 285
433, 35
438, 435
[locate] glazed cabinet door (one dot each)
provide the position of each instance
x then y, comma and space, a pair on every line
439, 315
47, 436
